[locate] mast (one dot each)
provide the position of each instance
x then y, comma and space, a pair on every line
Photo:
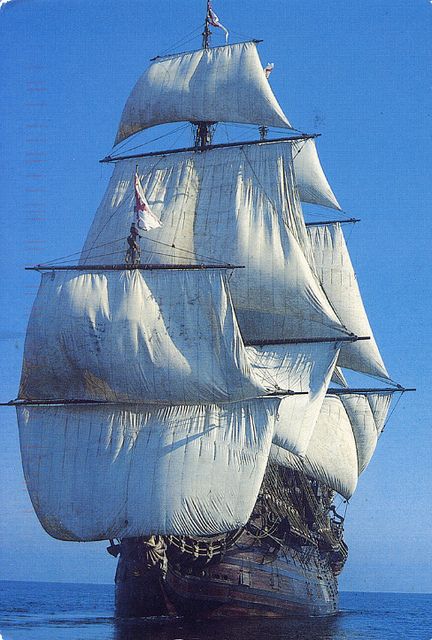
206, 33
204, 130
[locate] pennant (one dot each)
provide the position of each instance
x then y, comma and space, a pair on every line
214, 21
145, 218
268, 69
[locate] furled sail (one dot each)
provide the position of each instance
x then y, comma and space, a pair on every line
165, 336
234, 205
301, 368
133, 470
221, 84
343, 441
311, 181
337, 276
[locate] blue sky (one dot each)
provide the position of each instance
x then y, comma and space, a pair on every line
356, 71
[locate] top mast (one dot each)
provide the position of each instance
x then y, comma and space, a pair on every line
204, 130
206, 33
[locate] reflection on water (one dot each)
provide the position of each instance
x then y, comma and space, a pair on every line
38, 611
252, 629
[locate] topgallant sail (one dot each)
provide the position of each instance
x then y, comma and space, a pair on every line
190, 372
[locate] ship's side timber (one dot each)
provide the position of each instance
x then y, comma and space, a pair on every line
256, 580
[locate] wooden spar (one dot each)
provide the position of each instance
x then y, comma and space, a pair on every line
23, 403
263, 343
209, 147
284, 392
129, 267
318, 223
340, 392
75, 401
182, 53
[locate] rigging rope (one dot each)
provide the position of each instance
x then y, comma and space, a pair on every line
187, 38
77, 253
182, 127
391, 412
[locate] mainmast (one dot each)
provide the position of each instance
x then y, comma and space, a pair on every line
204, 130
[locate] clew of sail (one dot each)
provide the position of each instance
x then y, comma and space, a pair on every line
221, 84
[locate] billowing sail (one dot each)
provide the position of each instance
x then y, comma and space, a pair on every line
367, 414
164, 336
221, 84
336, 273
303, 368
232, 205
132, 470
311, 181
343, 441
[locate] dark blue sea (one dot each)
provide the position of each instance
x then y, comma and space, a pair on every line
47, 611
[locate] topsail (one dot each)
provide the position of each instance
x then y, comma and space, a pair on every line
235, 205
311, 181
221, 84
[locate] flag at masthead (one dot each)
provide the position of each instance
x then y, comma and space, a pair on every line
213, 19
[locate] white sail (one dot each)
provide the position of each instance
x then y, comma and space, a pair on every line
367, 414
301, 368
221, 84
311, 181
232, 205
343, 441
331, 456
102, 472
165, 336
338, 377
337, 276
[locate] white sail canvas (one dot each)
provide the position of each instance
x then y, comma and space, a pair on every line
222, 84
95, 473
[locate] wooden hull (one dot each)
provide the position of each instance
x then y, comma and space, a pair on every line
249, 581
294, 583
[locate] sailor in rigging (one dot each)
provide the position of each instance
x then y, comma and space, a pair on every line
133, 253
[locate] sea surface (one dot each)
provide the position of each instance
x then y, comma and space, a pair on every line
48, 611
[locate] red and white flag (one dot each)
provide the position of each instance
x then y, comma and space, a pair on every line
214, 20
145, 218
268, 69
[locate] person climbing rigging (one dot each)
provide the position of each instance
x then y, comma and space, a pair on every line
133, 254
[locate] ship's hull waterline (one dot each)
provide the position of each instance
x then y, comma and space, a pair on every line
248, 581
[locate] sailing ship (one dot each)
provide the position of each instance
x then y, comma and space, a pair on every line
175, 394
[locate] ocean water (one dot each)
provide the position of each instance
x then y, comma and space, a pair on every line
47, 611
